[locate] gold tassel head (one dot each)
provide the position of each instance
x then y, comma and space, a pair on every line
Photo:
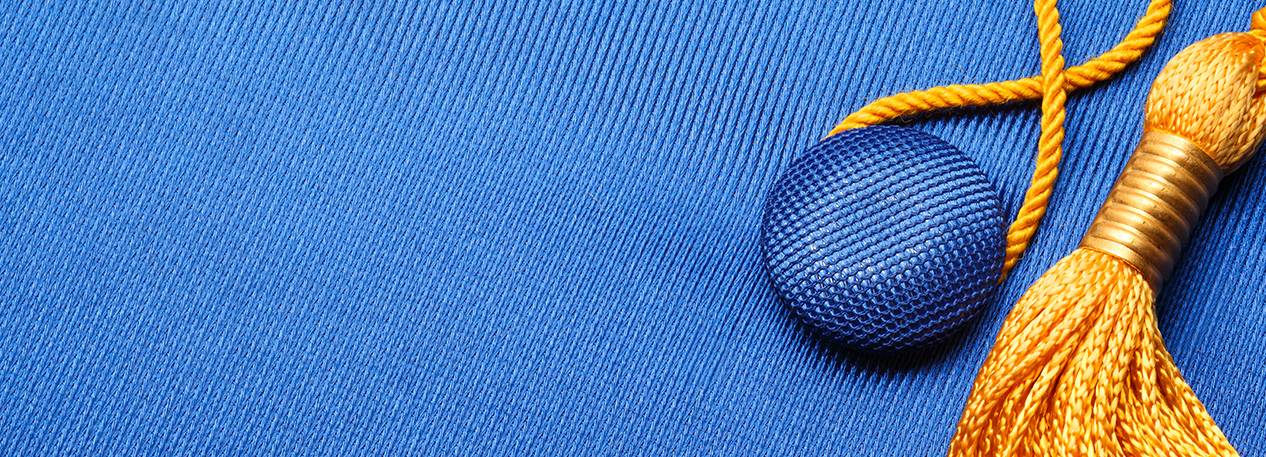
1205, 116
1212, 95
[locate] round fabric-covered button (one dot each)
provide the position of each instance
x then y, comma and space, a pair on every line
884, 238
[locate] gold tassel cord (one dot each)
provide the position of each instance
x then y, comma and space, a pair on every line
1051, 86
1099, 69
1079, 367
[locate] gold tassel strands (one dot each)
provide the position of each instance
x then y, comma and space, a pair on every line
1079, 367
1050, 87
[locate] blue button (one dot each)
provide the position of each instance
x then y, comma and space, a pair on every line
884, 239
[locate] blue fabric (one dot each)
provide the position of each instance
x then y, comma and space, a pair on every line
884, 239
517, 228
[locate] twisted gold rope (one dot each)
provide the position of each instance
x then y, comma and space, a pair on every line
1051, 87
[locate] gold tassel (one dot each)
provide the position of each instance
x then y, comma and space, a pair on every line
1079, 367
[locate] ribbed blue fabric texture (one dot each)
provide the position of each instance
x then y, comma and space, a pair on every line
884, 239
518, 228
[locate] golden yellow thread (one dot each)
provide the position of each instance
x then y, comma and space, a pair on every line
1079, 367
1051, 87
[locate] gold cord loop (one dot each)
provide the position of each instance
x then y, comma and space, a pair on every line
1051, 87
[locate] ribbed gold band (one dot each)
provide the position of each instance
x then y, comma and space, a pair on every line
1149, 214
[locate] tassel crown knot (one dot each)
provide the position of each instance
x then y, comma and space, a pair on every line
1212, 94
